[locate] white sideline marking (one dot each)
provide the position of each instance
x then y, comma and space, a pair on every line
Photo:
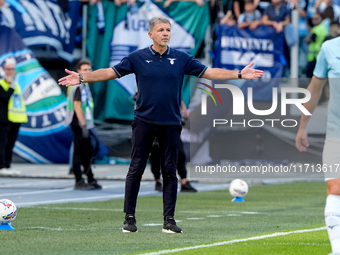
231, 214
75, 208
68, 229
36, 183
200, 212
214, 216
233, 241
57, 229
195, 218
152, 224
250, 212
312, 244
22, 193
36, 192
80, 199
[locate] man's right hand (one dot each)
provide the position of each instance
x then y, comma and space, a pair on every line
69, 80
301, 141
86, 132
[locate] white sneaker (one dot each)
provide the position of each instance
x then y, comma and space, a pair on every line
9, 171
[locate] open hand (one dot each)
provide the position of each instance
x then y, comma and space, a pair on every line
251, 74
69, 80
301, 142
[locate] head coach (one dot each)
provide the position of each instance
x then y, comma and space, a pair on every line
159, 72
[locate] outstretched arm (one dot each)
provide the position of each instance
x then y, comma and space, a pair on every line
315, 88
223, 74
72, 78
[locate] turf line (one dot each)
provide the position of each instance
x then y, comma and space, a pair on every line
233, 241
81, 199
69, 229
77, 209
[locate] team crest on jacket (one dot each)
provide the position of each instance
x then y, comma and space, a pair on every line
172, 60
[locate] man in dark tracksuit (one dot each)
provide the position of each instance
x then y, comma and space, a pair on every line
159, 72
79, 114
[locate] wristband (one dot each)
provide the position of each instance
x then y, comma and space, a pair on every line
239, 75
81, 79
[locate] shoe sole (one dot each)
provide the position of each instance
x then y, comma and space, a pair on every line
127, 231
168, 231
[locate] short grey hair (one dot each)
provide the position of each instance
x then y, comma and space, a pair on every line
10, 60
158, 19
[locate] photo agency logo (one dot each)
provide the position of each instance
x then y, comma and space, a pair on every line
238, 105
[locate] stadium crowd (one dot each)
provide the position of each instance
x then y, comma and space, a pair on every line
318, 21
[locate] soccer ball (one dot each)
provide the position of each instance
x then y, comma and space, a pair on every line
238, 188
8, 211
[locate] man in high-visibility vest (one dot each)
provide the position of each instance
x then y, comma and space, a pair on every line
12, 114
317, 35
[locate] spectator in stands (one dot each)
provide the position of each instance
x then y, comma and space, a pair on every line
228, 19
315, 39
303, 8
79, 114
277, 15
12, 114
310, 11
238, 8
168, 2
262, 5
218, 8
327, 17
303, 31
321, 6
2, 17
334, 31
251, 17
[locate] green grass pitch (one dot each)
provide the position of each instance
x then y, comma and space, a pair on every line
206, 218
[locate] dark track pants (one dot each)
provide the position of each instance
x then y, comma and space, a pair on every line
155, 161
8, 136
82, 154
143, 135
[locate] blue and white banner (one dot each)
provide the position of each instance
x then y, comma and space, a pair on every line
44, 138
41, 23
132, 34
235, 48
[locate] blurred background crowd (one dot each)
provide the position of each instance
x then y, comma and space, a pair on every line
43, 37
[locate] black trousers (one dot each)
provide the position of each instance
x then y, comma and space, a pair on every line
8, 136
143, 135
82, 154
155, 161
310, 68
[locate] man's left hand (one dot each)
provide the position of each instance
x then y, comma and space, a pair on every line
251, 74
